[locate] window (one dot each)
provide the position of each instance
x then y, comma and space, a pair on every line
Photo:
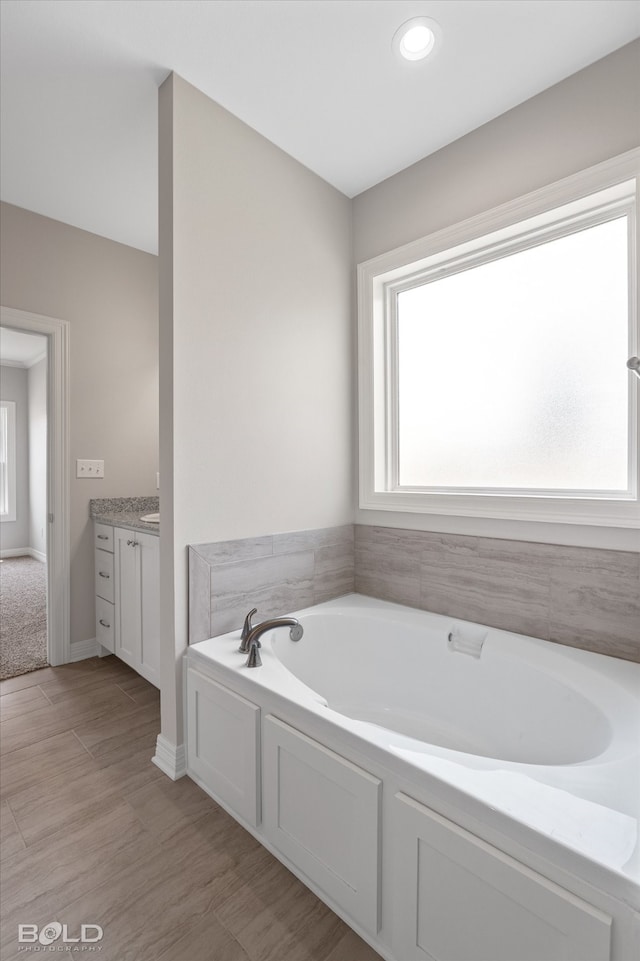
493, 378
7, 460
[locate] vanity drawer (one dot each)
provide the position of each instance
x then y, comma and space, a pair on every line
105, 624
103, 537
104, 575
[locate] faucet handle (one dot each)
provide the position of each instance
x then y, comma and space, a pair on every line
254, 659
246, 630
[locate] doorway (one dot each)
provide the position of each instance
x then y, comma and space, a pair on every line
23, 502
43, 519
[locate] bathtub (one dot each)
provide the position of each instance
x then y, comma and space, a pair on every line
520, 756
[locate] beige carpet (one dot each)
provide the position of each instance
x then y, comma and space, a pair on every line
23, 616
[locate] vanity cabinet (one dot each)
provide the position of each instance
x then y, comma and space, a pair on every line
137, 601
127, 584
104, 587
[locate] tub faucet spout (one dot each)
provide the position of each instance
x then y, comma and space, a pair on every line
253, 637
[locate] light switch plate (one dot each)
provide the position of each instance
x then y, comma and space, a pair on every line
89, 468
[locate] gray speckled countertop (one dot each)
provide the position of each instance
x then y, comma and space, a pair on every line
125, 512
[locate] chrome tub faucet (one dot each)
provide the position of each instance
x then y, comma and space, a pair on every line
251, 642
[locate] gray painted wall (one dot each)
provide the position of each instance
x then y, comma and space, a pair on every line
108, 293
37, 389
590, 117
256, 343
14, 535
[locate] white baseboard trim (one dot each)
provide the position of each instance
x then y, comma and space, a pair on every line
24, 552
170, 758
81, 650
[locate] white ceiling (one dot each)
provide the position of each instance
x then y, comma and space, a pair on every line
21, 350
317, 77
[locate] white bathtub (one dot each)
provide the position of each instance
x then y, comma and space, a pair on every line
516, 739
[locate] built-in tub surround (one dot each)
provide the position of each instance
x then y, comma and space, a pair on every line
487, 794
582, 597
275, 573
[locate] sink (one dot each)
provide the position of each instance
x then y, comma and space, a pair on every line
151, 518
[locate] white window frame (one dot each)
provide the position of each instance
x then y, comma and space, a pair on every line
11, 513
379, 280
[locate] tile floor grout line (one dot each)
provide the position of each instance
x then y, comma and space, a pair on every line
97, 757
44, 693
15, 821
87, 717
127, 693
30, 744
83, 746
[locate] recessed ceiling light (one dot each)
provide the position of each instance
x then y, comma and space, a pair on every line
416, 38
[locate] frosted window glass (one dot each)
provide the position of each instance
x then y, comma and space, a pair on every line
512, 375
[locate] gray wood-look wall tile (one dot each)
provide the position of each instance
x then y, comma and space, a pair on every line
277, 574
388, 564
597, 609
333, 584
222, 552
199, 597
583, 597
334, 569
313, 539
228, 613
244, 577
488, 591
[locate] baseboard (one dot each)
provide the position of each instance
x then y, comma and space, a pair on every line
24, 552
81, 650
170, 758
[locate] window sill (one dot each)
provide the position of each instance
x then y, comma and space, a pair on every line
589, 512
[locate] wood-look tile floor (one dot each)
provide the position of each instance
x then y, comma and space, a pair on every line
93, 833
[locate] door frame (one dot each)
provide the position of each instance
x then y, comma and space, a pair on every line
58, 527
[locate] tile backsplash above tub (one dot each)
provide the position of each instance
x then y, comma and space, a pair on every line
277, 574
581, 597
578, 596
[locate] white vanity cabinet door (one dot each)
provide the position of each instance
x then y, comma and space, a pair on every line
457, 898
323, 812
105, 588
127, 597
223, 745
103, 537
149, 558
136, 570
104, 576
105, 625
